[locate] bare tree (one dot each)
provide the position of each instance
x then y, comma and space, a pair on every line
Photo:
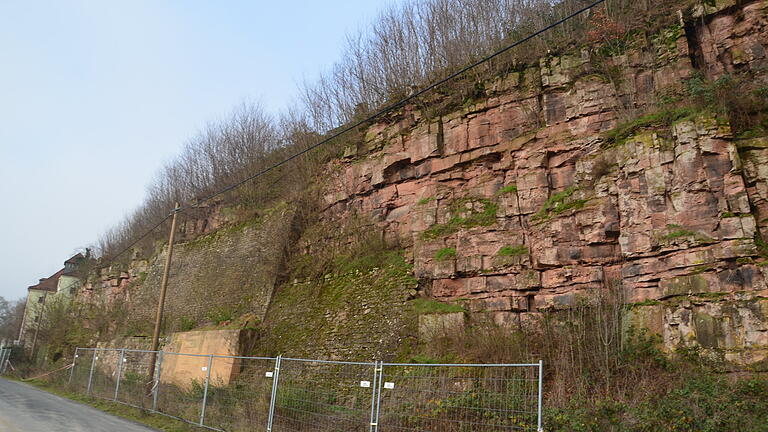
406, 47
11, 315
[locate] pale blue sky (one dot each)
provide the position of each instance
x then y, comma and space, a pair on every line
96, 95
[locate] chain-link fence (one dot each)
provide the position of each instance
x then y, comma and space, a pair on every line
231, 393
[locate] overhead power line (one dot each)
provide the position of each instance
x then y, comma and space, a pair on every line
143, 236
402, 102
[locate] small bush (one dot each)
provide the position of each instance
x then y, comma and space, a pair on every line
186, 324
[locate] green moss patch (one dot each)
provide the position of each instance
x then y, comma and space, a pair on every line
511, 251
675, 232
445, 254
359, 299
465, 214
431, 306
507, 190
658, 119
425, 201
559, 203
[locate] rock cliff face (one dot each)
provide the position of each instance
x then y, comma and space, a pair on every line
518, 203
523, 200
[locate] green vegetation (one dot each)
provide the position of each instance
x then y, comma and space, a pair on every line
220, 314
510, 251
425, 201
445, 254
431, 306
558, 203
648, 302
464, 214
730, 97
340, 305
662, 118
605, 375
507, 190
676, 232
762, 245
186, 323
694, 399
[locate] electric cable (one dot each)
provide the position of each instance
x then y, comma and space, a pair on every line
368, 119
396, 105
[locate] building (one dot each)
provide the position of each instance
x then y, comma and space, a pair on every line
61, 285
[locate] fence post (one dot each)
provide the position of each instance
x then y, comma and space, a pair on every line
541, 385
72, 370
205, 391
378, 393
156, 380
120, 362
90, 375
273, 399
373, 423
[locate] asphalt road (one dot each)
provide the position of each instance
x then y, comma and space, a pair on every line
26, 409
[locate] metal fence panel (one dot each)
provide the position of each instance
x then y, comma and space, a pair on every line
80, 372
104, 374
134, 380
239, 393
324, 396
458, 398
181, 385
282, 394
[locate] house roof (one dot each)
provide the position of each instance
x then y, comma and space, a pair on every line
75, 259
71, 266
48, 284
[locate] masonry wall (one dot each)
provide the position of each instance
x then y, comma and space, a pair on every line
229, 272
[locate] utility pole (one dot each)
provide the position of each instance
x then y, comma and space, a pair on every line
161, 302
37, 328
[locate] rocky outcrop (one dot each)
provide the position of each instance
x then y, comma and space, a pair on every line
521, 201
518, 203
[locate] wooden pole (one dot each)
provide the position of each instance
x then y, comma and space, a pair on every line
37, 328
161, 302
